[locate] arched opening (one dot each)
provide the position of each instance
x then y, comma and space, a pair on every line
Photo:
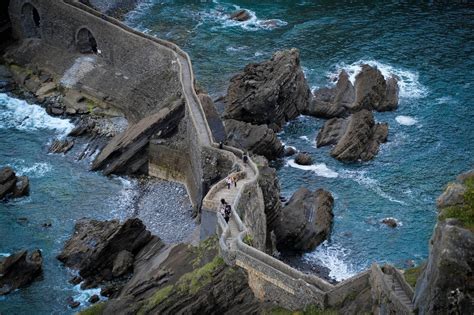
31, 21
85, 41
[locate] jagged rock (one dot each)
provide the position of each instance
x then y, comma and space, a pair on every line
240, 15
125, 152
61, 146
305, 221
22, 187
271, 92
303, 158
72, 303
390, 222
356, 137
6, 79
95, 246
94, 299
122, 263
84, 126
75, 280
19, 270
11, 185
258, 139
333, 102
289, 151
46, 89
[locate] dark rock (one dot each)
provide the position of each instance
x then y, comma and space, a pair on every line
271, 92
6, 174
19, 270
122, 263
47, 224
61, 146
260, 139
356, 137
390, 222
240, 15
305, 221
128, 147
109, 291
289, 151
94, 299
75, 280
95, 246
84, 126
7, 181
55, 111
213, 118
72, 304
303, 158
22, 187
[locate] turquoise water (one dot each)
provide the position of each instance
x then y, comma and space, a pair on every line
61, 191
429, 46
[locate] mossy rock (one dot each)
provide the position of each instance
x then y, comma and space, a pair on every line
464, 213
412, 274
96, 309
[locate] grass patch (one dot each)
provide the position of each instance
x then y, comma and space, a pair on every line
157, 297
204, 247
96, 309
193, 281
248, 239
310, 310
465, 212
412, 274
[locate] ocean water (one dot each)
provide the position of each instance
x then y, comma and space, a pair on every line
61, 192
428, 45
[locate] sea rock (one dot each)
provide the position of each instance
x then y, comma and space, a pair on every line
303, 158
126, 152
94, 299
390, 222
271, 92
356, 137
289, 151
19, 270
72, 303
305, 221
61, 146
333, 102
452, 195
256, 138
84, 126
97, 248
22, 187
11, 185
240, 15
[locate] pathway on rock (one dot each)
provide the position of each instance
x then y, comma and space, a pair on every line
400, 293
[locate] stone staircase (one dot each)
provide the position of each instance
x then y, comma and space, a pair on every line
399, 291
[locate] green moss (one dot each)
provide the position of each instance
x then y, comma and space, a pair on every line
465, 212
90, 105
193, 281
310, 310
248, 239
412, 274
204, 247
96, 309
158, 297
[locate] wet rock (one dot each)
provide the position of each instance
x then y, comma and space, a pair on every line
22, 187
84, 126
94, 299
72, 303
240, 15
305, 221
271, 92
122, 263
289, 151
356, 137
390, 222
55, 111
11, 185
47, 224
258, 139
19, 270
61, 146
75, 280
303, 158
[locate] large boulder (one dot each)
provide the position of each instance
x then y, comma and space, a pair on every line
446, 284
357, 137
102, 250
256, 138
19, 270
240, 15
271, 92
303, 158
12, 185
305, 221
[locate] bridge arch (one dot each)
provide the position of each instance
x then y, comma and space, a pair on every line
86, 42
31, 21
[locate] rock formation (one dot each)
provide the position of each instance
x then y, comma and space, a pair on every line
303, 158
240, 15
105, 250
356, 137
305, 221
446, 285
272, 92
19, 270
256, 138
61, 146
12, 185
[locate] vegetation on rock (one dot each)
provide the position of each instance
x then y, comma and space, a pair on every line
463, 212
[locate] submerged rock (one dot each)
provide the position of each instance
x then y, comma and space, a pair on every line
289, 151
61, 146
306, 220
356, 137
390, 222
303, 158
272, 92
19, 270
240, 15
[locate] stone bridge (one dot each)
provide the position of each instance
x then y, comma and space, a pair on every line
138, 75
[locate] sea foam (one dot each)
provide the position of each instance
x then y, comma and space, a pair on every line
406, 120
320, 169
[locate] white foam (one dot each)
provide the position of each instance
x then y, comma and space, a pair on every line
304, 138
332, 257
36, 170
406, 120
408, 81
4, 254
83, 296
320, 169
361, 178
18, 114
236, 49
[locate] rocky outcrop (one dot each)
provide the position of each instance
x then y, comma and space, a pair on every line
305, 221
259, 139
303, 158
240, 15
61, 146
446, 284
12, 185
19, 270
357, 137
104, 250
270, 92
126, 152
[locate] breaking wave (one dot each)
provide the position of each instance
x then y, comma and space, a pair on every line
320, 169
406, 120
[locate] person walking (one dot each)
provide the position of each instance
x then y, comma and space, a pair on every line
234, 180
225, 210
228, 181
